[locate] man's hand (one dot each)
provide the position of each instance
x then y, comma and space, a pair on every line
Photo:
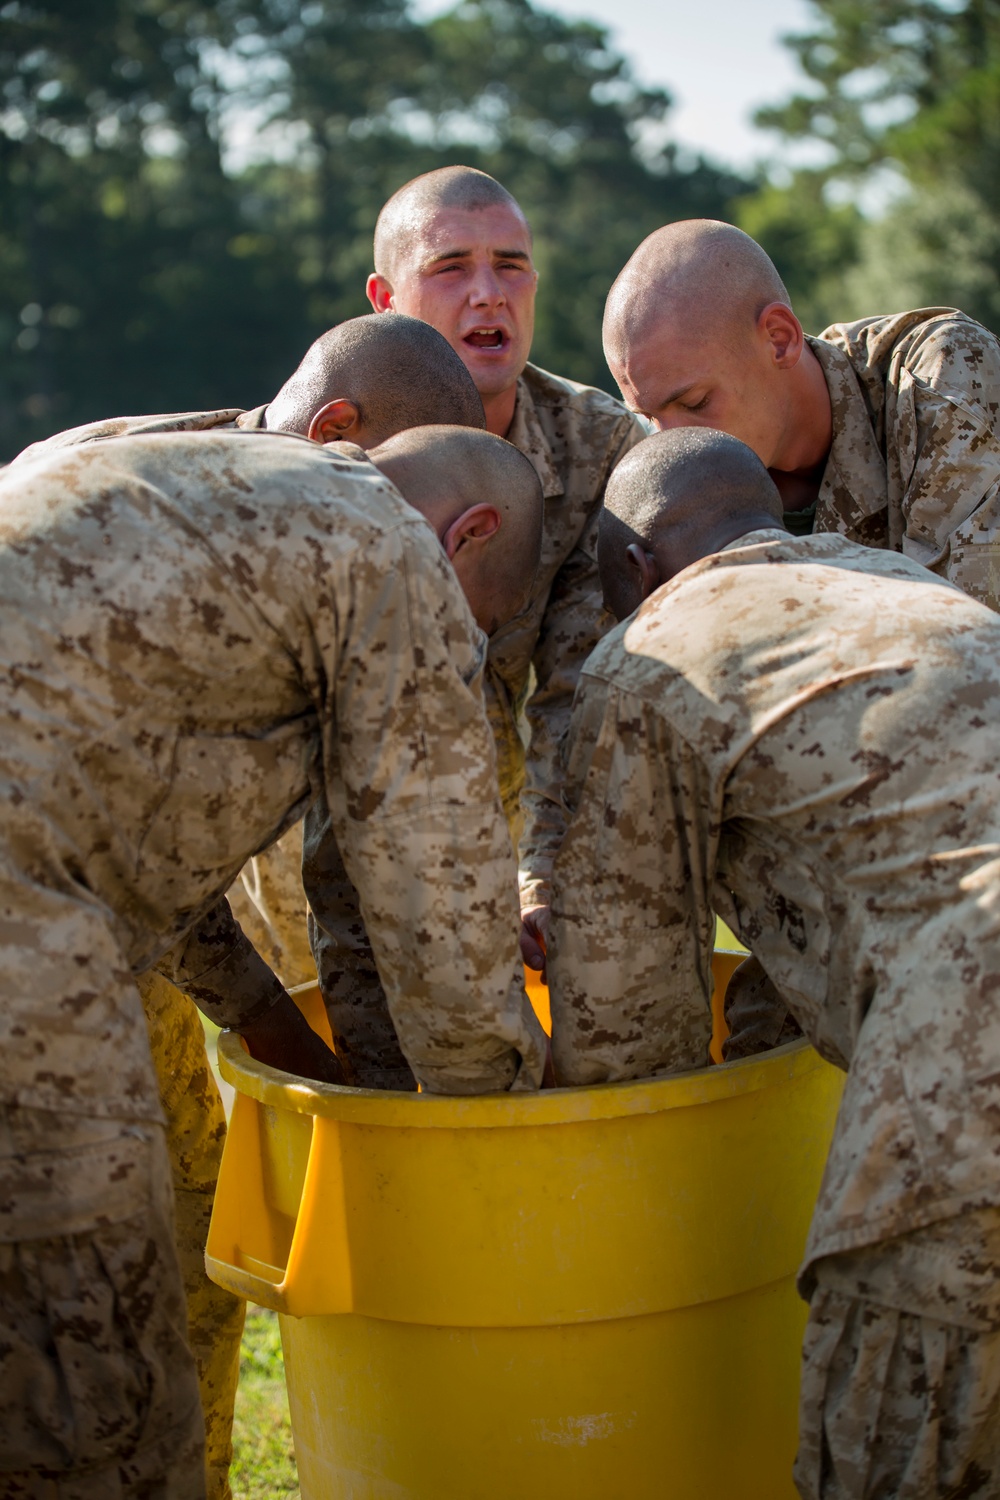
534, 930
283, 1038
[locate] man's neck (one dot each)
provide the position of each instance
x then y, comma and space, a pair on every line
799, 463
499, 411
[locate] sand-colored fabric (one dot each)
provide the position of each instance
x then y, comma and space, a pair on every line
799, 734
196, 1133
915, 460
98, 1390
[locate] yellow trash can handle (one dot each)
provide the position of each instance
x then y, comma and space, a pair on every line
280, 1196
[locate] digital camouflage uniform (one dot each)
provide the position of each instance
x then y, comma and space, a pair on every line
914, 465
915, 459
193, 1109
199, 634
268, 899
573, 435
801, 734
195, 1136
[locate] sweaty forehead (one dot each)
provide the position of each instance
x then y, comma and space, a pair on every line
656, 356
441, 230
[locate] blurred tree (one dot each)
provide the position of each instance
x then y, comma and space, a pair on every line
912, 86
122, 283
540, 102
188, 189
813, 244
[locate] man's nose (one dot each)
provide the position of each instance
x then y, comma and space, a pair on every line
487, 289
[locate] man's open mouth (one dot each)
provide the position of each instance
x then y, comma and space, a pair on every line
486, 338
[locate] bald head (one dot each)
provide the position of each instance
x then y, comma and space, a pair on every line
697, 271
378, 376
676, 498
484, 501
419, 200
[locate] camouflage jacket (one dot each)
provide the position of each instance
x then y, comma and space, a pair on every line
199, 636
574, 435
801, 735
179, 421
915, 461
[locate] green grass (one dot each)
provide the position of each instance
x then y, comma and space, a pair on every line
263, 1456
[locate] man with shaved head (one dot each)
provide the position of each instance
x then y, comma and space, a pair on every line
201, 633
800, 734
360, 382
453, 247
884, 429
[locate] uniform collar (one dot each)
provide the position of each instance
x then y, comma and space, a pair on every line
252, 419
854, 483
526, 433
756, 538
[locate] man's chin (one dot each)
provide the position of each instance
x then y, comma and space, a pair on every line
493, 371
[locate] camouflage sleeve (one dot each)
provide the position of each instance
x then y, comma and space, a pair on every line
219, 968
270, 905
630, 943
363, 1034
411, 788
575, 620
942, 409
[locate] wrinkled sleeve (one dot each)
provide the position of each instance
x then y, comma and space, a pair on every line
630, 942
411, 788
219, 968
363, 1034
942, 407
575, 620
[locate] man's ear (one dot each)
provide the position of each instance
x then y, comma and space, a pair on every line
644, 568
337, 419
477, 524
380, 293
779, 327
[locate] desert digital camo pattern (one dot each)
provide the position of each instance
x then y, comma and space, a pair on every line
199, 634
900, 1387
573, 435
270, 905
363, 1034
268, 899
801, 735
196, 1133
915, 461
98, 1390
231, 417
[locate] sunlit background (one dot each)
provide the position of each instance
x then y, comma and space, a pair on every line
188, 187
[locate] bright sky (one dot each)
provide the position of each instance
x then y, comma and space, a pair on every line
719, 60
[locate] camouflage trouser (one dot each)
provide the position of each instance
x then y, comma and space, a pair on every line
196, 1132
895, 1404
98, 1390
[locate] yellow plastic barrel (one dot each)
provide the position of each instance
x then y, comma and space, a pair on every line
584, 1294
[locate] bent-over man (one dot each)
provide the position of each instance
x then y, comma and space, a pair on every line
362, 382
453, 247
200, 632
800, 733
885, 429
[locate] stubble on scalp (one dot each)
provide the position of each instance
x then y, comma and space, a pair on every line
698, 275
409, 209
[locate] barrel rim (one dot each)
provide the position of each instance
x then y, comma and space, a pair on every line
604, 1101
